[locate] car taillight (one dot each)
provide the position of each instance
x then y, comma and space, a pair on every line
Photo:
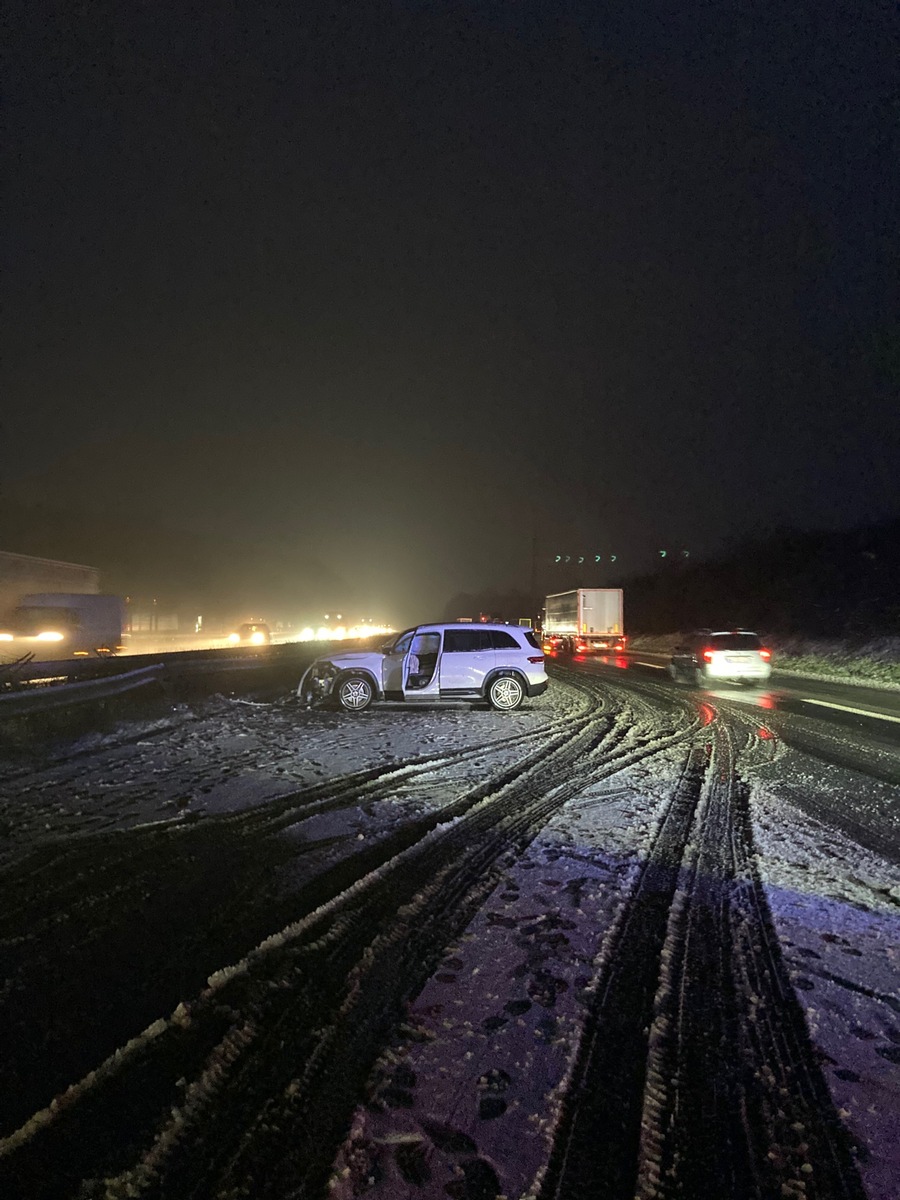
766, 654
536, 658
707, 654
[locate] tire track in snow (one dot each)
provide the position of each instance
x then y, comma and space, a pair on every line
317, 999
54, 877
695, 1076
191, 890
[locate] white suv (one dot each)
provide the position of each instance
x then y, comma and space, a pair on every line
709, 657
501, 664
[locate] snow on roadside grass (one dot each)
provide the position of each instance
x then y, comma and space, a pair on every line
875, 661
469, 1097
836, 909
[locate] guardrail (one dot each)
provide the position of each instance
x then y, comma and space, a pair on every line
67, 695
64, 683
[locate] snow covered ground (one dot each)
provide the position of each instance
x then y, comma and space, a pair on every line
837, 911
470, 1095
466, 1100
229, 754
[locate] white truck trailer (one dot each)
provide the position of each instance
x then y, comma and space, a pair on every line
57, 625
54, 610
586, 619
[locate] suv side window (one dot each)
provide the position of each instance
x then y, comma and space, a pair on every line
503, 641
466, 641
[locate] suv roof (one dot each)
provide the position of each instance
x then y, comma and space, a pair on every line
528, 634
744, 639
467, 625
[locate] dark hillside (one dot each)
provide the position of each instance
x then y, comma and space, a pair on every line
818, 584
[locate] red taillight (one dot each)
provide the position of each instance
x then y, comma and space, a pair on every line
707, 654
766, 654
536, 658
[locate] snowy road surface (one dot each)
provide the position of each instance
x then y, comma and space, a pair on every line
631, 940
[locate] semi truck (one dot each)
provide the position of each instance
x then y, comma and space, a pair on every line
55, 610
25, 574
586, 620
55, 625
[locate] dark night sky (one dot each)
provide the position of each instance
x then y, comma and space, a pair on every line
386, 286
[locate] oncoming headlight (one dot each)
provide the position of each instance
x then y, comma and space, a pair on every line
50, 635
234, 637
257, 638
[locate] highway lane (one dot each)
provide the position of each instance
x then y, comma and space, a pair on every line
623, 854
789, 692
846, 741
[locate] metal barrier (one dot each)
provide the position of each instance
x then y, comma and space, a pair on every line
65, 695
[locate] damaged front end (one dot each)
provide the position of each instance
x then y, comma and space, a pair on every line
317, 683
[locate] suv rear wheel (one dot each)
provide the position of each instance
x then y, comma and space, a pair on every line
355, 693
505, 693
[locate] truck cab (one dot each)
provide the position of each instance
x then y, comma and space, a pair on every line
57, 625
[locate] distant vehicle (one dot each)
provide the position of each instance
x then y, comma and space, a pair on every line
251, 633
554, 643
589, 619
56, 625
736, 655
500, 664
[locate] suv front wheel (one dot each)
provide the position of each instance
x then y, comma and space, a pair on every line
505, 693
355, 693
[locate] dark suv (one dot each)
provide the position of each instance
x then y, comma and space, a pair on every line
707, 656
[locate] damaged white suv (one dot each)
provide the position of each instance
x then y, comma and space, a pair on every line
499, 664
